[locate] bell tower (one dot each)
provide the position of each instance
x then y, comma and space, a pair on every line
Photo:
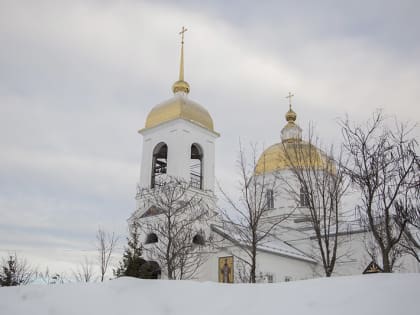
179, 141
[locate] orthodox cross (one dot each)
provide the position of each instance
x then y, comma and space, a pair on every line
181, 66
182, 34
290, 99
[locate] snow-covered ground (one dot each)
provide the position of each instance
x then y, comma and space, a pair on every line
374, 294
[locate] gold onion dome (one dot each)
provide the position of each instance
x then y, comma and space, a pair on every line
285, 155
292, 151
180, 106
291, 116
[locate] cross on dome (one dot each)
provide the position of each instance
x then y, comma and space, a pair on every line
182, 34
290, 99
290, 115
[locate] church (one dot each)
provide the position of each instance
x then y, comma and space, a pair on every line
179, 146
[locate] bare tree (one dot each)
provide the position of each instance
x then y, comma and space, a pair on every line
411, 242
106, 243
85, 272
51, 278
16, 271
382, 168
410, 212
247, 218
319, 184
175, 224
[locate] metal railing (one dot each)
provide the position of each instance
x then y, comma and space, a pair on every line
196, 181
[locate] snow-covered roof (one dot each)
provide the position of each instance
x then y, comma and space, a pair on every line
270, 244
345, 228
284, 249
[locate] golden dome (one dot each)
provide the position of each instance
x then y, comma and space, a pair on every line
290, 115
292, 151
285, 155
179, 106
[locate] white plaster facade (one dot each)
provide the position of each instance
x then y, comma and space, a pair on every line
179, 135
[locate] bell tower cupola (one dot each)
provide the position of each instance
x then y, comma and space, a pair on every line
178, 139
291, 132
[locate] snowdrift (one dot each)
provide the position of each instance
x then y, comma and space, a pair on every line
370, 294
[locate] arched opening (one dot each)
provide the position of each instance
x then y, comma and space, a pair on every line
198, 239
196, 166
160, 163
151, 238
304, 197
150, 270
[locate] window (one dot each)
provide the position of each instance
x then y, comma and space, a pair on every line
160, 163
151, 238
269, 278
198, 239
196, 167
269, 194
304, 197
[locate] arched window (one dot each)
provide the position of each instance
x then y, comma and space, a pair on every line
151, 238
198, 239
196, 167
304, 197
160, 163
150, 270
269, 195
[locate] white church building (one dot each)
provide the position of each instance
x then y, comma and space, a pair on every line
180, 141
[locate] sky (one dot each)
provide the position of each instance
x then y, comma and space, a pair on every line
78, 78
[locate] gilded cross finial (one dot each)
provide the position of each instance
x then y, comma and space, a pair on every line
290, 99
181, 85
181, 66
182, 34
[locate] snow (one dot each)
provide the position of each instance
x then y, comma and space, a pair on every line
366, 294
281, 248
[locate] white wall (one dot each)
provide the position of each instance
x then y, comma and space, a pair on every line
179, 135
267, 263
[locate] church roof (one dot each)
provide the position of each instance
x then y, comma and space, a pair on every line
286, 155
271, 245
179, 106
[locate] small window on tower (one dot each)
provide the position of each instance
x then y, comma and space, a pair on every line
151, 238
269, 194
304, 197
198, 239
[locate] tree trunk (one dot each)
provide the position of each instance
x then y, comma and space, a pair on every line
386, 265
252, 277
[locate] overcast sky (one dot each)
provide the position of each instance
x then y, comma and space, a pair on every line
77, 79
